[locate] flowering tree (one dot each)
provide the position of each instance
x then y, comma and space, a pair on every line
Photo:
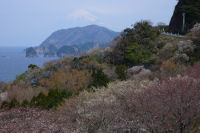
169, 106
193, 71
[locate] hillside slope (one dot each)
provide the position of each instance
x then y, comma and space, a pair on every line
144, 76
191, 8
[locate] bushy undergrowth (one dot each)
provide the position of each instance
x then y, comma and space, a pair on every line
20, 77
12, 104
169, 105
195, 35
138, 45
99, 79
121, 71
53, 99
25, 103
32, 66
135, 45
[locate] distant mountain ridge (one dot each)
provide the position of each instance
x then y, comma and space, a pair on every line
80, 35
74, 40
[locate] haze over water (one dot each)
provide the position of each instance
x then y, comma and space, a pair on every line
13, 62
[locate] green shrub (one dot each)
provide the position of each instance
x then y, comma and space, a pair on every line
21, 76
25, 103
136, 55
14, 103
33, 101
161, 45
121, 72
66, 94
99, 78
32, 66
195, 56
96, 58
40, 100
89, 90
5, 104
135, 46
54, 98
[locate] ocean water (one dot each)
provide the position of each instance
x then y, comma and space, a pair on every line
13, 62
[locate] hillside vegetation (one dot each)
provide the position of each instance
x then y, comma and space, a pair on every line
144, 82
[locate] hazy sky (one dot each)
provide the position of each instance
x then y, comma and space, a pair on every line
29, 22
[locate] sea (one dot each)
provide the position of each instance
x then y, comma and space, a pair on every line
13, 62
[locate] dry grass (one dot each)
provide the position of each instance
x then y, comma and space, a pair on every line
24, 93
